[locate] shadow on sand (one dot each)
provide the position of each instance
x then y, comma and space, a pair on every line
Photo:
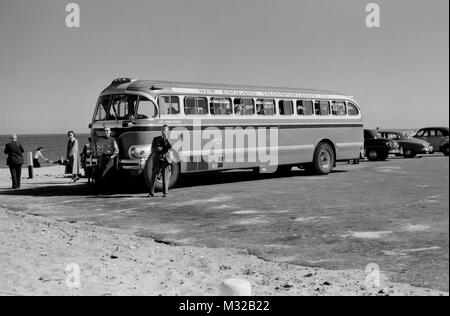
123, 188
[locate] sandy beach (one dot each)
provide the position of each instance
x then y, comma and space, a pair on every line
36, 254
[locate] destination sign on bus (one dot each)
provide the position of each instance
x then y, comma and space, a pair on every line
261, 94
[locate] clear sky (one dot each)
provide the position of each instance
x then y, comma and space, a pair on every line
50, 75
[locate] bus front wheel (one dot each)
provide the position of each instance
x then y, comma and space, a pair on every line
148, 172
324, 159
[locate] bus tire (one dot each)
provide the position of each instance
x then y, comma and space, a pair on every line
148, 171
324, 159
446, 150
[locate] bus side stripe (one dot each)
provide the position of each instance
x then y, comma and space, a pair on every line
243, 150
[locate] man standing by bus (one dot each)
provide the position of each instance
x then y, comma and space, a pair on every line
106, 150
162, 161
14, 150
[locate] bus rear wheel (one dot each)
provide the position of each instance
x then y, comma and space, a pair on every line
324, 159
148, 172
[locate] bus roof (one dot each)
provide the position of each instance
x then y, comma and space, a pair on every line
156, 86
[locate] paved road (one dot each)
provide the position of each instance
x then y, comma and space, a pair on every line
393, 213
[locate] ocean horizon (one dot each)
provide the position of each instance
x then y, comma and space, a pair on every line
55, 145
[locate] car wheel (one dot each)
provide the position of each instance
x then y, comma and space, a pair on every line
408, 153
446, 151
372, 155
323, 159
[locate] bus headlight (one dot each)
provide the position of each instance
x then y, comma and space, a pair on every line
139, 151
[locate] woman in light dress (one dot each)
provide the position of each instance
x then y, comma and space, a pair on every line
73, 163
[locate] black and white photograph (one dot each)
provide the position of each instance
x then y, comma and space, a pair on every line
224, 153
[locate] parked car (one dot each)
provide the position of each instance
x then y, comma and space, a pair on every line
444, 147
410, 146
379, 148
437, 136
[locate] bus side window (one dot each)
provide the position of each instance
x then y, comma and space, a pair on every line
338, 108
322, 108
195, 106
244, 106
352, 109
286, 107
221, 106
202, 104
325, 108
305, 107
146, 109
169, 105
265, 107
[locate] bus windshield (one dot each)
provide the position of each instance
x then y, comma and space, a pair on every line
123, 107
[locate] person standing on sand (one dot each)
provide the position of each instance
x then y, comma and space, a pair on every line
86, 160
73, 166
163, 160
107, 150
14, 150
38, 155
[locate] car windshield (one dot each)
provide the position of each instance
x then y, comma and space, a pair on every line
399, 135
406, 135
368, 133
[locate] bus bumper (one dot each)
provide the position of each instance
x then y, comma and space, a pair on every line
132, 164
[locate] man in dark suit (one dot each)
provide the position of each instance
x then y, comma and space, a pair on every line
14, 150
162, 161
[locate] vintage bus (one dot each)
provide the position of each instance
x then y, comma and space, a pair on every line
293, 127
